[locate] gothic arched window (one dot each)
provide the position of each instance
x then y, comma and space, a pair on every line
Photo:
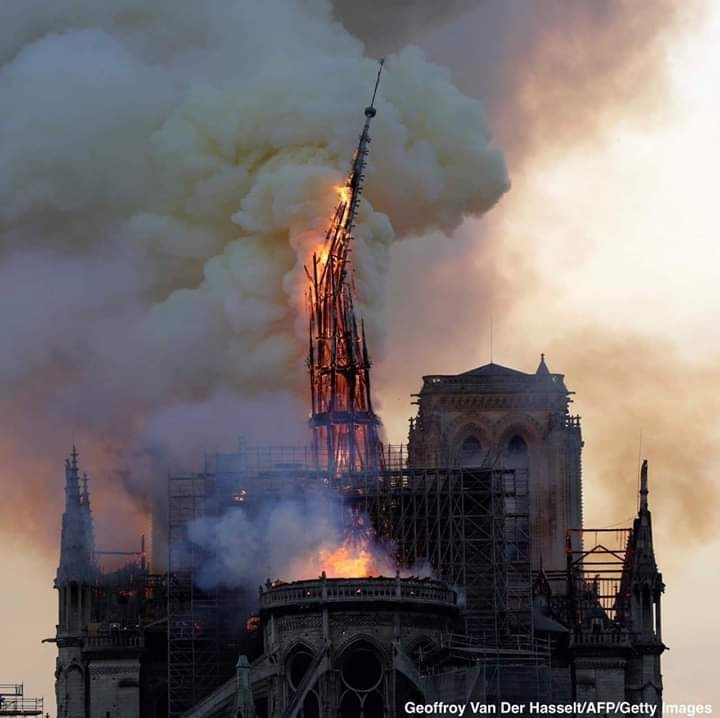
517, 453
471, 452
298, 664
362, 673
311, 706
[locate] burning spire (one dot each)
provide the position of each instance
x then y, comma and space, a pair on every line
345, 428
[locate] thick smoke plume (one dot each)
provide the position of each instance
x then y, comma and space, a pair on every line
554, 72
289, 540
641, 397
167, 170
387, 25
550, 72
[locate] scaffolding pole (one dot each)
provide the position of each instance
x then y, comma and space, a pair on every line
14, 703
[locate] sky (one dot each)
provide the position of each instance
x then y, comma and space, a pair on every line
601, 255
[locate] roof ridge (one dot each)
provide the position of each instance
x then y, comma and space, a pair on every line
494, 369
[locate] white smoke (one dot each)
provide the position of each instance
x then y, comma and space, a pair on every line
286, 540
166, 168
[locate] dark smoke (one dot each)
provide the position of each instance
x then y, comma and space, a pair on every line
387, 25
552, 71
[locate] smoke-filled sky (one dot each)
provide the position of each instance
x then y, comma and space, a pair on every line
165, 170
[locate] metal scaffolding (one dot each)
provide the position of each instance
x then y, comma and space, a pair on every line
196, 646
592, 593
598, 576
14, 703
469, 524
205, 630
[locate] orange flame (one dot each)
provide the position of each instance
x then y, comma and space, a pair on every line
344, 195
323, 248
343, 192
356, 557
350, 562
322, 252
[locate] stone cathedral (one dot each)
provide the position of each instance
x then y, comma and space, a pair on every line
494, 455
518, 601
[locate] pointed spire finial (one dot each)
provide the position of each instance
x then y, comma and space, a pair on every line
354, 181
542, 366
370, 110
644, 487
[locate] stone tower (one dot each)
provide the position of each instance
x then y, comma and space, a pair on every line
615, 655
501, 417
99, 638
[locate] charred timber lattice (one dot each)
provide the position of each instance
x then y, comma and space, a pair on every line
345, 427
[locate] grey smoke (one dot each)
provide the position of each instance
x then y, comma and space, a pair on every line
166, 170
387, 25
281, 540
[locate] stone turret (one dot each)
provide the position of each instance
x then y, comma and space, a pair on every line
644, 679
100, 642
76, 576
77, 545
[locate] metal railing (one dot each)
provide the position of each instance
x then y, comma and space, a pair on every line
14, 703
115, 640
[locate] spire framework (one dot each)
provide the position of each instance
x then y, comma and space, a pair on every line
345, 428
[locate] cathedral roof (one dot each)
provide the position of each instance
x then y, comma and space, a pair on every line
494, 370
494, 378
